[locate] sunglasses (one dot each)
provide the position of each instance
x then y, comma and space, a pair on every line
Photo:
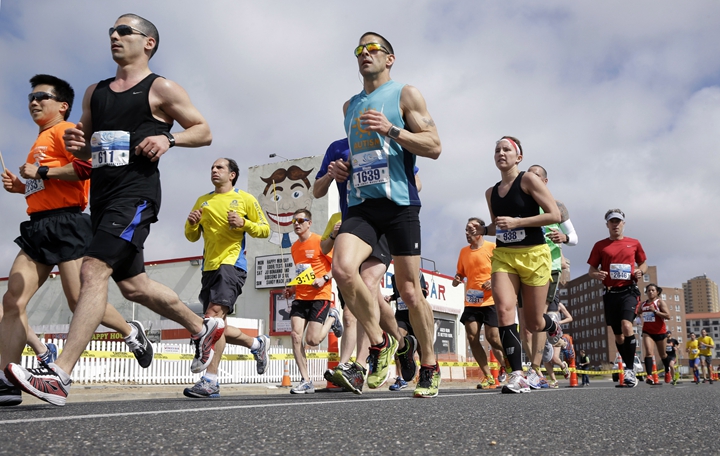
125, 30
371, 47
40, 96
300, 220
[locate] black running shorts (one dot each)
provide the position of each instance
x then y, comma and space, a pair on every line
222, 286
373, 218
55, 236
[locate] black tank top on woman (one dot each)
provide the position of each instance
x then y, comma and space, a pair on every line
517, 203
127, 111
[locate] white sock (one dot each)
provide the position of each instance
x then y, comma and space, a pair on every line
133, 332
63, 375
212, 377
256, 344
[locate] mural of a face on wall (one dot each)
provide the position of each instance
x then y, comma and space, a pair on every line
290, 192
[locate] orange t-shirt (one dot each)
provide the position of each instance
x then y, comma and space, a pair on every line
44, 195
476, 266
307, 254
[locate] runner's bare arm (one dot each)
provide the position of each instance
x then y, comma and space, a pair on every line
77, 139
66, 172
170, 102
422, 138
11, 183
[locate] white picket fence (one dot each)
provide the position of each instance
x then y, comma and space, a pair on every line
165, 372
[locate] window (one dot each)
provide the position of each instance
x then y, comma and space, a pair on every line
646, 278
603, 343
601, 305
679, 339
602, 331
663, 297
604, 356
677, 318
679, 330
677, 298
602, 318
677, 308
594, 319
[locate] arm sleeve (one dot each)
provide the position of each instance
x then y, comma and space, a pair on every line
82, 169
568, 229
256, 225
192, 232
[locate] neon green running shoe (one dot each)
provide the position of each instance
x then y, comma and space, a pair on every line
429, 384
378, 363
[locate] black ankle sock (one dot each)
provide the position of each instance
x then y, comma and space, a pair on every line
384, 342
627, 351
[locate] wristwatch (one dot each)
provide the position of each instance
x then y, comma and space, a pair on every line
170, 138
42, 172
332, 237
394, 132
326, 278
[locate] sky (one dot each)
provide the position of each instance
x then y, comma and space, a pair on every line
619, 101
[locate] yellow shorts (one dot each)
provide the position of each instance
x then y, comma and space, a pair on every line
532, 264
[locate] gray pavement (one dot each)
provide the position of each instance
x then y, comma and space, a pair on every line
254, 419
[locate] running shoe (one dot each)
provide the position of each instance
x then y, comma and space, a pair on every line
337, 326
674, 381
554, 337
379, 362
140, 345
554, 384
399, 384
630, 379
704, 380
516, 384
261, 354
350, 376
649, 380
203, 388
502, 376
42, 382
408, 367
533, 379
50, 354
429, 384
667, 377
9, 395
205, 344
544, 383
565, 370
486, 383
305, 387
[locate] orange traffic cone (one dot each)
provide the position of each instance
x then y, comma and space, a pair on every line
655, 378
286, 383
333, 360
621, 374
573, 373
494, 366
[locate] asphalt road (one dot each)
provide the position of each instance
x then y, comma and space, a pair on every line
599, 419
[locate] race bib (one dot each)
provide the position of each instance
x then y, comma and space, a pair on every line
694, 351
110, 148
648, 317
510, 236
620, 271
669, 348
474, 296
33, 186
370, 168
300, 267
401, 304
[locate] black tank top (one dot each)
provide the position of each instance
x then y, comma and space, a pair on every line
126, 111
517, 203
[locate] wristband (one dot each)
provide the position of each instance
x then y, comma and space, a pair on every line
42, 172
394, 132
332, 237
170, 138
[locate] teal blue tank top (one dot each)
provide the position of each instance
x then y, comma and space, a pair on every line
381, 168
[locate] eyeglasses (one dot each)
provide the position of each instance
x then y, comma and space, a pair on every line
40, 96
125, 30
371, 47
300, 220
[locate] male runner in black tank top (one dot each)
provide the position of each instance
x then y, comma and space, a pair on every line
125, 127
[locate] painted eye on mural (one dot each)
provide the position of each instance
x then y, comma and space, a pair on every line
297, 194
276, 198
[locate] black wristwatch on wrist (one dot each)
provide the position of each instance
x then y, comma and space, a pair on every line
326, 278
42, 172
170, 138
332, 237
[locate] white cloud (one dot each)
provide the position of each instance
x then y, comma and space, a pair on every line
618, 101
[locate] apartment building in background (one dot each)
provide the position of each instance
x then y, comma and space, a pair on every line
701, 295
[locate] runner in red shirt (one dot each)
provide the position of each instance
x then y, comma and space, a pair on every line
653, 313
619, 262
